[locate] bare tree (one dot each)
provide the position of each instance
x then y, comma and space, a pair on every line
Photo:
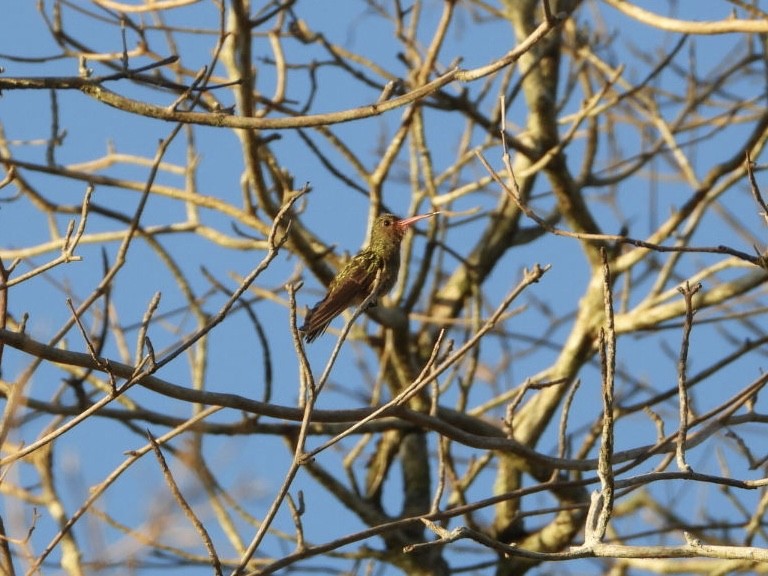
566, 374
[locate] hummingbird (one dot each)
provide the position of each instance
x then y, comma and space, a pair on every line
357, 279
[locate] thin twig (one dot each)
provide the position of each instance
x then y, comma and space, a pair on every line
562, 444
604, 238
70, 242
296, 514
688, 293
755, 188
141, 337
602, 503
186, 508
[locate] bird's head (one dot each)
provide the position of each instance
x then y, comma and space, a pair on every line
389, 229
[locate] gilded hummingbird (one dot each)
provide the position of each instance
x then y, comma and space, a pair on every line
354, 283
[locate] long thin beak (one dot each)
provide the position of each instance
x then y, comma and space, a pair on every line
405, 222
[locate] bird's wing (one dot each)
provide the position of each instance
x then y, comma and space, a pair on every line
342, 295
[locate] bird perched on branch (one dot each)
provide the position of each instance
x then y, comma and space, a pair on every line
358, 279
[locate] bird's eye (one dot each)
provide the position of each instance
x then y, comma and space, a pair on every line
387, 222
